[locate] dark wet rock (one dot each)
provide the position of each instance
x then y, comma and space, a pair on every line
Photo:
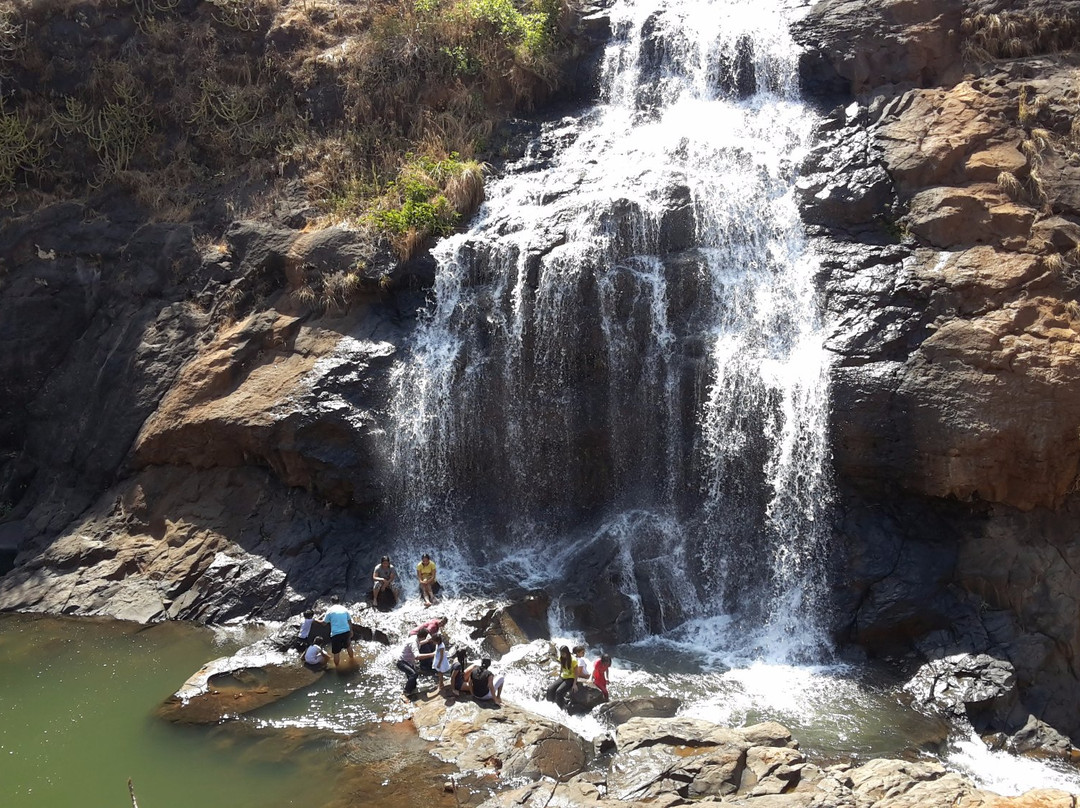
952, 683
523, 620
621, 711
234, 685
584, 698
852, 47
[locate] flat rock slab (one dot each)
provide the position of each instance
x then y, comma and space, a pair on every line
249, 679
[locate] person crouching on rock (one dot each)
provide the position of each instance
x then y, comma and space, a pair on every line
599, 674
411, 659
484, 684
425, 574
314, 656
560, 691
459, 685
340, 630
384, 577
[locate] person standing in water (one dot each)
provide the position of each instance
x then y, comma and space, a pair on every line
411, 659
441, 662
599, 674
425, 574
340, 630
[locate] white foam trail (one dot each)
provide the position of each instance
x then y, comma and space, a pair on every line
1008, 774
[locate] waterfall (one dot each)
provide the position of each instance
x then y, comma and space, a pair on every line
622, 357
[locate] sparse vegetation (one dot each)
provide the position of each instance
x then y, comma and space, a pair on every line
379, 110
21, 149
427, 199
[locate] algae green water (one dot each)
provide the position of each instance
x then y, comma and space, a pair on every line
77, 719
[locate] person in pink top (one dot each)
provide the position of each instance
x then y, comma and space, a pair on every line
433, 626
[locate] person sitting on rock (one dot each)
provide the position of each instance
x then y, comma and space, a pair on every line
581, 670
425, 574
385, 579
566, 684
314, 656
304, 636
340, 630
599, 674
459, 685
410, 660
483, 684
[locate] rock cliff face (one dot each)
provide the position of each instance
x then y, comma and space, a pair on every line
947, 220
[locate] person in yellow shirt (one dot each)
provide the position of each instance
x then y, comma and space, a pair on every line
425, 574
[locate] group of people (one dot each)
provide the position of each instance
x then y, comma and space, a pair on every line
426, 653
310, 645
384, 578
572, 670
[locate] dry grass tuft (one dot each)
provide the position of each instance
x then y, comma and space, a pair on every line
1009, 184
1018, 34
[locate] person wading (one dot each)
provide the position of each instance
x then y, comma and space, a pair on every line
340, 630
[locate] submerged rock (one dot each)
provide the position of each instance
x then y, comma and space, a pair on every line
619, 712
251, 678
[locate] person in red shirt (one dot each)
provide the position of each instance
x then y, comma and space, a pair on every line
599, 674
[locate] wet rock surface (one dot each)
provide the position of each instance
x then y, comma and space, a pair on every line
183, 439
229, 686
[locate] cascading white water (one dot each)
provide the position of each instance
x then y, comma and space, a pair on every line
625, 349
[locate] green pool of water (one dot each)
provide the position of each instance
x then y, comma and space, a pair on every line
77, 704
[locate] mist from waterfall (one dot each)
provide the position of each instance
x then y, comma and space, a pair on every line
623, 356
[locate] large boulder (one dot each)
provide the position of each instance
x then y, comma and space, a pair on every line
480, 736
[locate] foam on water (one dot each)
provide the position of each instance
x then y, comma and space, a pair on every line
1007, 774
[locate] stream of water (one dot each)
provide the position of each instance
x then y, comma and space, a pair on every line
624, 355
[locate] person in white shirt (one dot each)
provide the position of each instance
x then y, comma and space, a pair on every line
315, 656
411, 657
304, 635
